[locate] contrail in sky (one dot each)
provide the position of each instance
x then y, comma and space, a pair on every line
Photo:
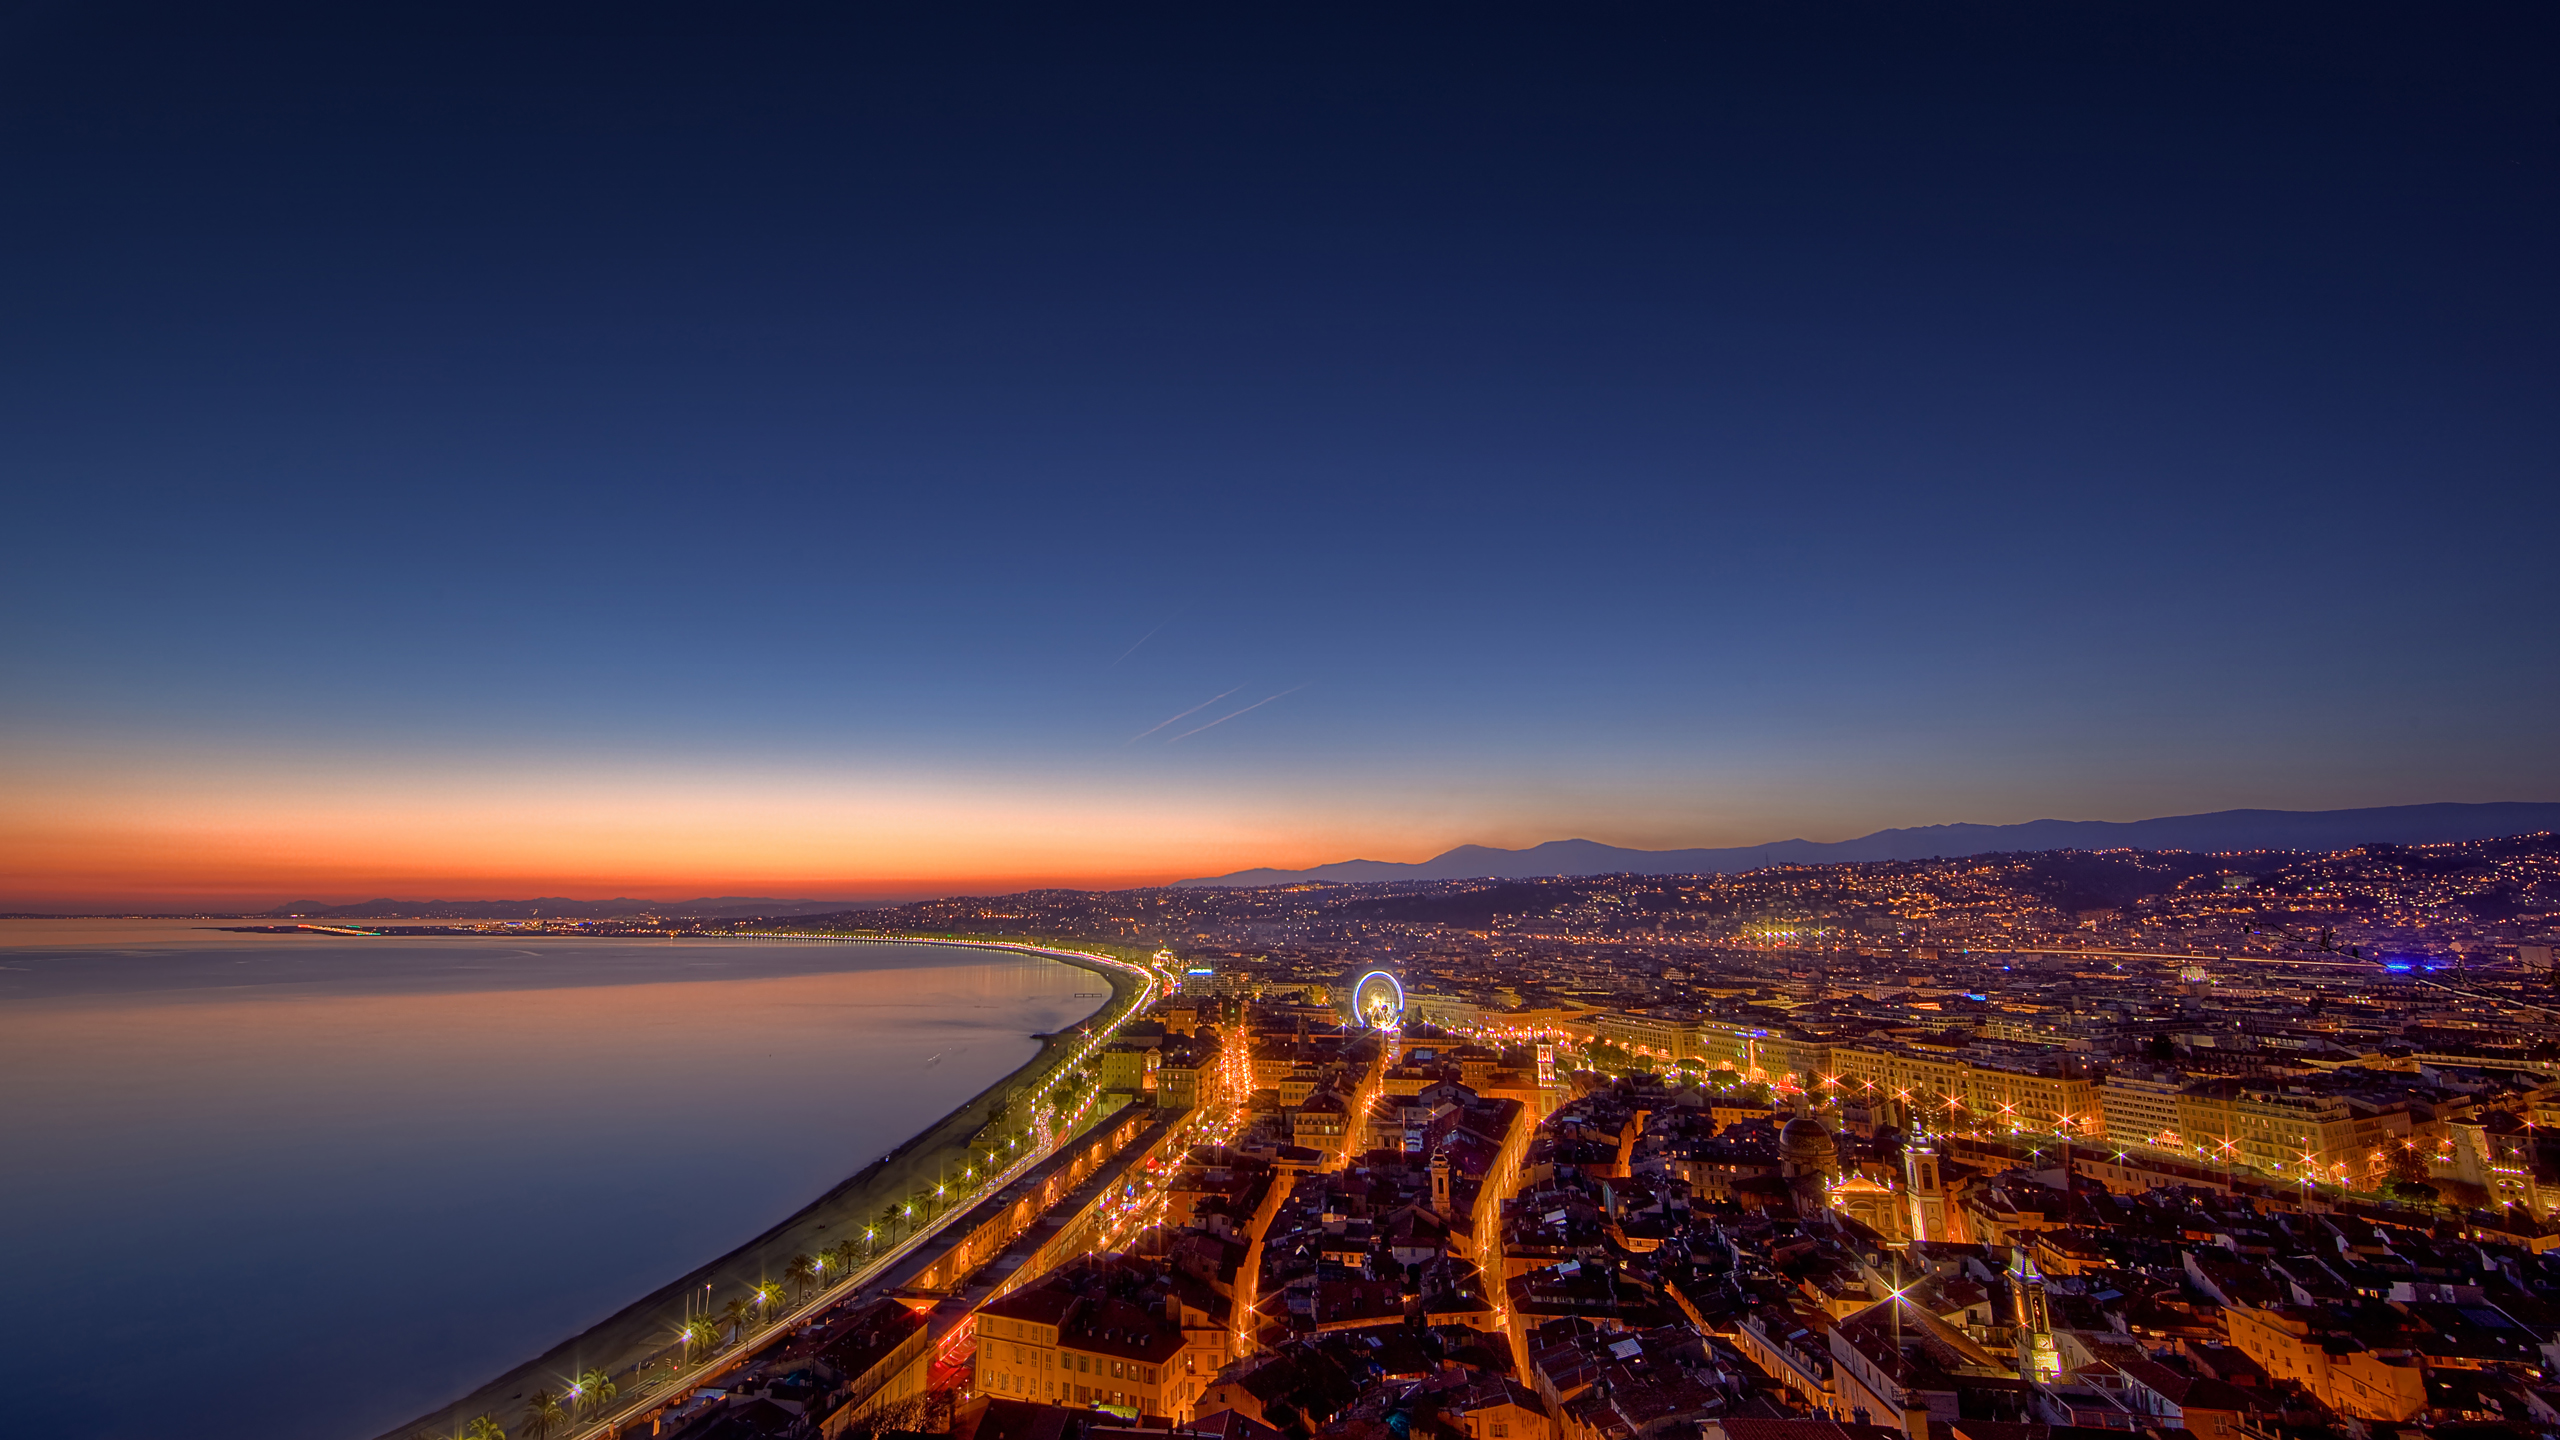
1223, 719
1143, 639
1169, 719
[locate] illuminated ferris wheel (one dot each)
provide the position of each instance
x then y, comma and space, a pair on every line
1377, 999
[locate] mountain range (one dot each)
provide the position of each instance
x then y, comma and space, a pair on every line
2221, 832
714, 907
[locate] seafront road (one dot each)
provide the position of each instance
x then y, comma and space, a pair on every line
1149, 984
640, 1330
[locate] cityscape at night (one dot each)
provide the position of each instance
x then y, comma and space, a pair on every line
1630, 721
2105, 1140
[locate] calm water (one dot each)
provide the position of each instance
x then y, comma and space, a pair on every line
305, 1186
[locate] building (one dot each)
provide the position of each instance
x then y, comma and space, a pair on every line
2289, 1132
1126, 1068
2343, 1374
1808, 1158
1321, 1122
1924, 1190
1656, 1037
1980, 1088
2141, 1108
1108, 1332
882, 1353
1189, 1074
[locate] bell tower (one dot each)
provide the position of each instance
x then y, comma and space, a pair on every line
1927, 1191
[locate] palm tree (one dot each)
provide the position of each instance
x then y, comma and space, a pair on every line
542, 1415
595, 1390
483, 1428
768, 1300
801, 1271
740, 1314
701, 1337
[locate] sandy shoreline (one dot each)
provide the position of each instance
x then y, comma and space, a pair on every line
643, 1326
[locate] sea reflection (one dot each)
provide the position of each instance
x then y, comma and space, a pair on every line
306, 1186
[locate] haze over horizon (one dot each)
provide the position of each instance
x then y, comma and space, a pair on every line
503, 451
2217, 832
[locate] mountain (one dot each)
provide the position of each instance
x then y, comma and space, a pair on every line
715, 907
2221, 832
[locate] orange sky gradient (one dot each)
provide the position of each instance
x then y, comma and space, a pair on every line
183, 835
103, 827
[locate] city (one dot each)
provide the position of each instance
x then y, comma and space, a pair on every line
1643, 721
2009, 1148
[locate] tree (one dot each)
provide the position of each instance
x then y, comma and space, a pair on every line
739, 1314
542, 1415
802, 1272
911, 1415
2410, 1164
483, 1427
700, 1337
595, 1390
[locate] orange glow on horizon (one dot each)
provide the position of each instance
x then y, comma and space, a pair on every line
122, 823
212, 838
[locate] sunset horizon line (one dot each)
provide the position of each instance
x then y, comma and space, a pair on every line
97, 889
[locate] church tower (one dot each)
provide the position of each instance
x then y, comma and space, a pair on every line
2038, 1358
1926, 1187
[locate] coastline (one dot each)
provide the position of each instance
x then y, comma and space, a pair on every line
641, 1327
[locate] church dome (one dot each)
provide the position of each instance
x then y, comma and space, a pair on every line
1807, 1146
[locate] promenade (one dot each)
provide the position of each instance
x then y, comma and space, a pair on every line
622, 1343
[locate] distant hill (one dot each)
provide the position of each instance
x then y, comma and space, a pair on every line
716, 907
2222, 831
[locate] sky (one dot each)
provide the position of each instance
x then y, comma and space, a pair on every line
477, 451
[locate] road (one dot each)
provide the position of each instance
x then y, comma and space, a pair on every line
640, 1404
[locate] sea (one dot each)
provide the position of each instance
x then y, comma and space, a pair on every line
308, 1187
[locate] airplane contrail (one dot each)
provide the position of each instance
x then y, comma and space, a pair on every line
1169, 719
1223, 719
1143, 639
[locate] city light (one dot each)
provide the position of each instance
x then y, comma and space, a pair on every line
1991, 1048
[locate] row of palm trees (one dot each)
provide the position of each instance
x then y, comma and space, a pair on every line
586, 1397
546, 1414
1068, 1092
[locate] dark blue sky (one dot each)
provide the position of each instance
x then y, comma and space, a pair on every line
1673, 425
